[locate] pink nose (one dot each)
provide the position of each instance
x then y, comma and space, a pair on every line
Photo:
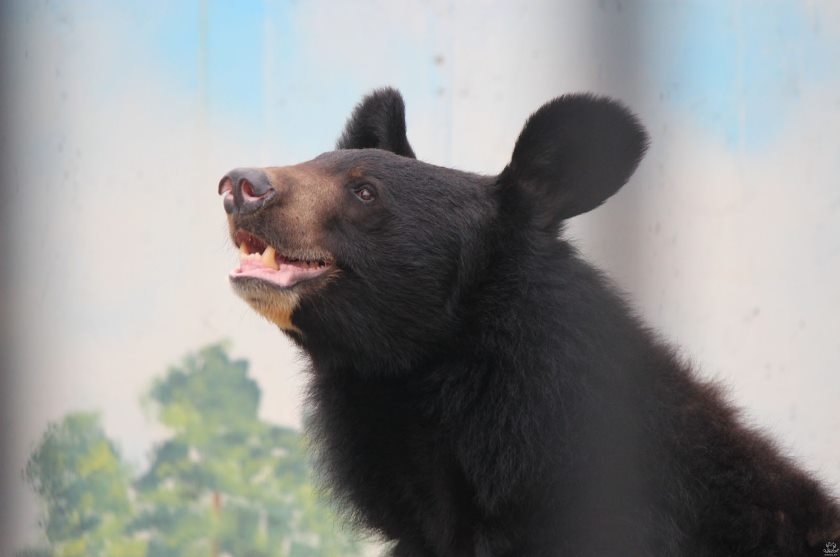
245, 190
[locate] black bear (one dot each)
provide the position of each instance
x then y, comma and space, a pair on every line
477, 388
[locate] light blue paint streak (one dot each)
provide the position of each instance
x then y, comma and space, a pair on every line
234, 57
167, 38
309, 95
294, 89
315, 93
739, 68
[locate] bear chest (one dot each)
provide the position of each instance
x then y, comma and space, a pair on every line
394, 462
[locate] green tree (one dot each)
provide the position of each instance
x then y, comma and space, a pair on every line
227, 483
85, 491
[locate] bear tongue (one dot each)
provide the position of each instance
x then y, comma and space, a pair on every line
266, 267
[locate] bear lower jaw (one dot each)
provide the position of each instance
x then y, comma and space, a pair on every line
275, 304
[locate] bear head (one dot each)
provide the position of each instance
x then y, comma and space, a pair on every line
369, 257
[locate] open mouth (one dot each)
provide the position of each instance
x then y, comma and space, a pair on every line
259, 260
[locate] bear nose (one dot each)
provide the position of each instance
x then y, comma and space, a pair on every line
245, 190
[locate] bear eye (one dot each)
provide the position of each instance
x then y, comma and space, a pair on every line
365, 193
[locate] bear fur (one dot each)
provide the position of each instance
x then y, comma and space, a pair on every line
478, 389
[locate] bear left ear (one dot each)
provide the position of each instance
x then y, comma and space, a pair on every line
572, 155
378, 122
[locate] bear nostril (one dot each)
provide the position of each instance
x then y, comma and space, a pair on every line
226, 190
225, 185
247, 189
254, 187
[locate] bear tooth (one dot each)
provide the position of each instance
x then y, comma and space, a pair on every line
243, 249
268, 257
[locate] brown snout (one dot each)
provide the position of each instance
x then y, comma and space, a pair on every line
246, 190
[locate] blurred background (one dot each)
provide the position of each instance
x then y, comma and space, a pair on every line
119, 119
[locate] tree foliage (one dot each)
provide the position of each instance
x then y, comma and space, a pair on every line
85, 490
225, 483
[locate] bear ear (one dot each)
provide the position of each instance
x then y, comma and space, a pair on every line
574, 153
378, 122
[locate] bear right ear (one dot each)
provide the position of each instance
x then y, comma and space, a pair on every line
572, 155
378, 122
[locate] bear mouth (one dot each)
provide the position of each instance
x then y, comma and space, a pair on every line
262, 261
